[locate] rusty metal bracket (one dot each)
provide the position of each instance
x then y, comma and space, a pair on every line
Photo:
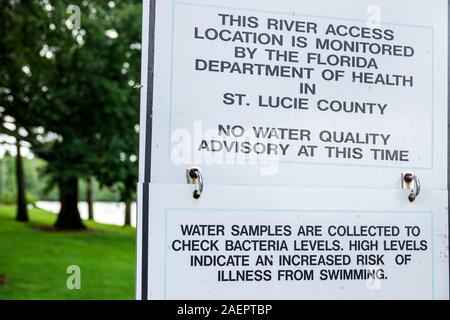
194, 176
412, 182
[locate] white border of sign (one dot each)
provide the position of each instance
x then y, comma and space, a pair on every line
146, 107
448, 119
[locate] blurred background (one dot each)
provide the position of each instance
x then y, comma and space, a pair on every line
69, 114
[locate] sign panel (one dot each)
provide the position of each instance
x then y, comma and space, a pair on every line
281, 243
297, 93
276, 139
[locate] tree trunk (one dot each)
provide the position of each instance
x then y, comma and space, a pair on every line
90, 199
22, 212
69, 217
127, 213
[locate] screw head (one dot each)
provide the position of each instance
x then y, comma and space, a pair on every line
193, 173
408, 178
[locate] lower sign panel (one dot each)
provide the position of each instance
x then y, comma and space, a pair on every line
291, 243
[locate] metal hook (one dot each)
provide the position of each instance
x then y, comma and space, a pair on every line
411, 181
194, 176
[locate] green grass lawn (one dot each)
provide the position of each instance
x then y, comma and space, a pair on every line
35, 260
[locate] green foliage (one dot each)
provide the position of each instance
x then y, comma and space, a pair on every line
35, 260
22, 69
8, 180
77, 105
37, 186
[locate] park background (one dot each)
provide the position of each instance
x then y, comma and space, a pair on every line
69, 129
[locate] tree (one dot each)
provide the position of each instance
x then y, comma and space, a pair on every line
118, 168
22, 213
21, 71
90, 95
80, 106
90, 198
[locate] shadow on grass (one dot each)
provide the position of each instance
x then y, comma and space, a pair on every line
3, 280
52, 229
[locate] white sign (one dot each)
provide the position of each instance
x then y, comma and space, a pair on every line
266, 243
300, 93
275, 102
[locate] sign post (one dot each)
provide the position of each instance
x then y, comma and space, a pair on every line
293, 150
